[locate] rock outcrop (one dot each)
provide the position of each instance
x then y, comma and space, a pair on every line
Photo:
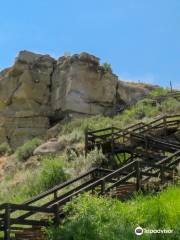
132, 92
38, 91
53, 146
81, 85
25, 98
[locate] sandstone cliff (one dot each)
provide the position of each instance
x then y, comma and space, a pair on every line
38, 91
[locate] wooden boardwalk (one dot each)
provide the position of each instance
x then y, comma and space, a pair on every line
22, 221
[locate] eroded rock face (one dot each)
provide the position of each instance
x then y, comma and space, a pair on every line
130, 93
25, 98
81, 85
39, 90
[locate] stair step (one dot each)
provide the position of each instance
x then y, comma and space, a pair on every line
29, 234
124, 191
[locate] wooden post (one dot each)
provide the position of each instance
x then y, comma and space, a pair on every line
123, 136
171, 86
55, 195
162, 174
56, 214
7, 223
124, 156
123, 144
138, 176
112, 142
102, 187
92, 191
95, 174
173, 176
146, 146
165, 126
86, 142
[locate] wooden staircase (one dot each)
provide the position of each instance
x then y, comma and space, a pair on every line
136, 171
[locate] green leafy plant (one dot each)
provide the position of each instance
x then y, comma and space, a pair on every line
73, 137
26, 150
80, 164
101, 218
107, 67
51, 173
158, 92
5, 149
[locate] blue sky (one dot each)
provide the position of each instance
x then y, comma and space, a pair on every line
140, 38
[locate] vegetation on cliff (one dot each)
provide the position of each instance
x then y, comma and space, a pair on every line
21, 167
92, 217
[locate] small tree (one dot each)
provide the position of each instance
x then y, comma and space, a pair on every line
107, 67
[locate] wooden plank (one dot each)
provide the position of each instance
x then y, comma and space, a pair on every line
124, 179
59, 187
26, 222
24, 207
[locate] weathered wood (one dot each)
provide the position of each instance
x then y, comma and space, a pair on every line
98, 179
7, 223
138, 176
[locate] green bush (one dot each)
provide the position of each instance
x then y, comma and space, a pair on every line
5, 149
51, 173
92, 218
170, 106
80, 164
107, 67
158, 92
73, 137
26, 150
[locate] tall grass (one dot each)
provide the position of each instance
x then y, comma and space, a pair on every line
30, 182
52, 172
106, 219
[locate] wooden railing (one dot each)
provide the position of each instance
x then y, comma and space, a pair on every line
102, 181
11, 214
109, 136
174, 94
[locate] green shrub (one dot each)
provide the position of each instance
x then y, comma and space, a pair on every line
80, 164
26, 150
101, 218
73, 137
51, 173
170, 106
107, 67
158, 92
5, 149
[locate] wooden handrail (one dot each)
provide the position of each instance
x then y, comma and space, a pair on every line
59, 187
109, 180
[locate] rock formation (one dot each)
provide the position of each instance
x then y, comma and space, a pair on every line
132, 92
38, 91
24, 98
81, 85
